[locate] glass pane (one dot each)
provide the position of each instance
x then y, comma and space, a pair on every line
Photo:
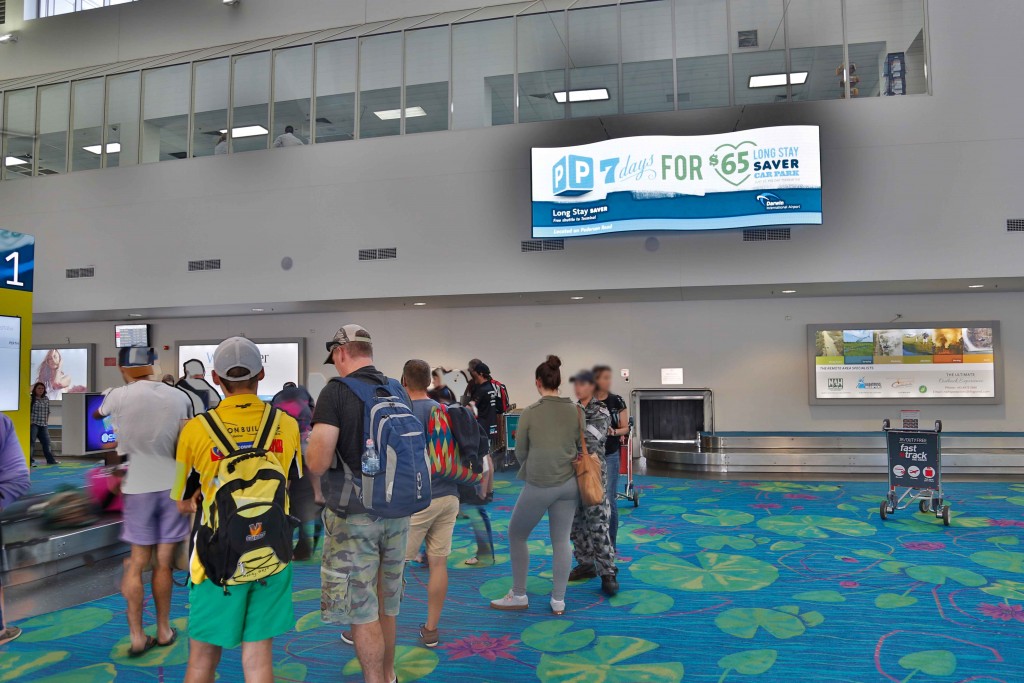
211, 108
166, 95
483, 59
426, 80
52, 143
293, 88
380, 85
335, 91
251, 90
594, 60
702, 51
647, 56
759, 42
19, 132
122, 129
542, 61
815, 35
886, 47
87, 127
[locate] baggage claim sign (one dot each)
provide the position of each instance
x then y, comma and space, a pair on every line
760, 177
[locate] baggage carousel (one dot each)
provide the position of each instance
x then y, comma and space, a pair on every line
830, 453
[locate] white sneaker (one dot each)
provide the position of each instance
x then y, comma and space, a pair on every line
511, 602
558, 607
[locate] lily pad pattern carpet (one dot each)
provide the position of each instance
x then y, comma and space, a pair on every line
721, 581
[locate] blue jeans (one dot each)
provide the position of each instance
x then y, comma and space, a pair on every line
43, 434
612, 491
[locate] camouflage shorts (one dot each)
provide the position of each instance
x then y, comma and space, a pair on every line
356, 549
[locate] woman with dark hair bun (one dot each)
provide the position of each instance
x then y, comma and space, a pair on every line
547, 441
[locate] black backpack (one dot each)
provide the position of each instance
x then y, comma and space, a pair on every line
474, 446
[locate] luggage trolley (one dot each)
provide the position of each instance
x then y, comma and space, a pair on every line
915, 462
630, 492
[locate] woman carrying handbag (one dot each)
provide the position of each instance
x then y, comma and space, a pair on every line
548, 442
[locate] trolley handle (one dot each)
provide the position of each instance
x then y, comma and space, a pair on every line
887, 426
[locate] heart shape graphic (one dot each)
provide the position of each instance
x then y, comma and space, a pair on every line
737, 148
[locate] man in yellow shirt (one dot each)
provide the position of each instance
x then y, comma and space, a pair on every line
250, 614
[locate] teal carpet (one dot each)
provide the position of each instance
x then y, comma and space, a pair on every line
721, 581
49, 478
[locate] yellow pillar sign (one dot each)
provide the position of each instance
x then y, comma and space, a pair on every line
17, 268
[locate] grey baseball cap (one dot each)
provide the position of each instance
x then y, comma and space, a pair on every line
347, 334
237, 352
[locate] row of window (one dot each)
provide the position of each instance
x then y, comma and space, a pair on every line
49, 8
598, 60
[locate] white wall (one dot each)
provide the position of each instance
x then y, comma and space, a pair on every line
752, 354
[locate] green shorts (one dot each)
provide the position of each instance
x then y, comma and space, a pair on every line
249, 613
363, 568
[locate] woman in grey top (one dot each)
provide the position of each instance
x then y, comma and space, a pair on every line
547, 441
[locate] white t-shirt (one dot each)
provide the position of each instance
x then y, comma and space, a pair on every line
147, 417
288, 140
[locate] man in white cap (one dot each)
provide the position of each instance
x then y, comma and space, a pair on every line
147, 416
246, 614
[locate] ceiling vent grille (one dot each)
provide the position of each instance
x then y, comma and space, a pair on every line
542, 245
78, 273
384, 254
1015, 225
204, 264
3, 11
766, 234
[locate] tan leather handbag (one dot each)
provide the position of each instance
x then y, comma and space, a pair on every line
588, 472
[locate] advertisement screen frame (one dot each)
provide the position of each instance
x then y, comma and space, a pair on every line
300, 341
20, 388
997, 364
90, 370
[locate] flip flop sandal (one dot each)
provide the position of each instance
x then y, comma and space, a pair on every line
11, 633
150, 644
172, 641
472, 562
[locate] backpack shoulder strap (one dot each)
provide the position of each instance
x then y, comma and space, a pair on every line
269, 424
364, 391
217, 432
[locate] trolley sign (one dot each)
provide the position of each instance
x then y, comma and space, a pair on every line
914, 459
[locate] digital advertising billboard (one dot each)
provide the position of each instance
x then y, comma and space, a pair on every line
10, 363
282, 361
950, 362
759, 177
62, 369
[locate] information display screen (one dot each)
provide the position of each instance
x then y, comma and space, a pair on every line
99, 431
281, 362
127, 336
759, 177
932, 362
61, 370
10, 363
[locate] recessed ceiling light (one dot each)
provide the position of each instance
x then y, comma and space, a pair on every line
246, 131
14, 161
112, 148
134, 315
257, 310
789, 291
590, 95
576, 298
975, 286
392, 114
776, 80
420, 303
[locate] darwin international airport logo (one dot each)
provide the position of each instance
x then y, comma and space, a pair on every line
773, 202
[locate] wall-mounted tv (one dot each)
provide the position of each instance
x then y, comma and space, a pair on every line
943, 362
759, 177
127, 336
62, 368
283, 361
10, 363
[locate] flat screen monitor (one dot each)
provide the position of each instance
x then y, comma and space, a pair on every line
10, 363
99, 431
126, 336
62, 370
750, 178
943, 362
282, 362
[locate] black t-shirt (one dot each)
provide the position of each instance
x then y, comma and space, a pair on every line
615, 405
485, 396
339, 407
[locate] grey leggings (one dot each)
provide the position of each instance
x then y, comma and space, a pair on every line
560, 503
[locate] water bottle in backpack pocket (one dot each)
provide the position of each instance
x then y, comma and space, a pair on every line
247, 536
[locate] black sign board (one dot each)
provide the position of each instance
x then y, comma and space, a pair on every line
913, 459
